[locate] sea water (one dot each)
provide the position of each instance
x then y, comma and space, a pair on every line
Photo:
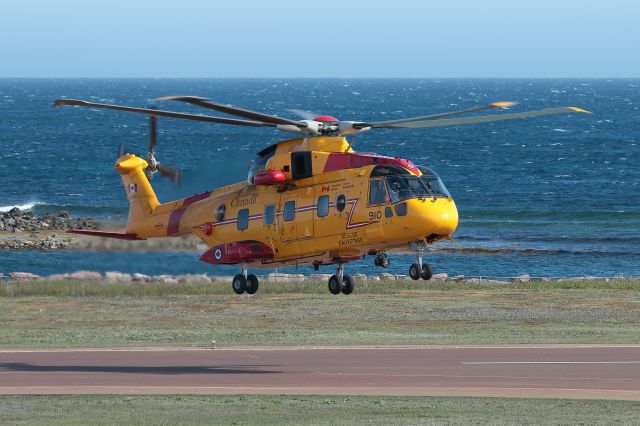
548, 196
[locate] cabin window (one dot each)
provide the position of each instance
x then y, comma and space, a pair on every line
377, 192
388, 212
243, 219
401, 209
220, 211
289, 211
323, 205
269, 214
341, 203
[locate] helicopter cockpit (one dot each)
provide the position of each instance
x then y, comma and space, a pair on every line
395, 184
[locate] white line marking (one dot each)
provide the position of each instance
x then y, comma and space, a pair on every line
546, 362
330, 348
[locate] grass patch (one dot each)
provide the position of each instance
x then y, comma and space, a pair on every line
316, 410
45, 314
74, 288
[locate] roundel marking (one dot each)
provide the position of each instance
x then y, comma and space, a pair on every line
218, 254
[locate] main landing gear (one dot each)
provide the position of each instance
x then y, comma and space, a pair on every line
419, 270
245, 282
340, 283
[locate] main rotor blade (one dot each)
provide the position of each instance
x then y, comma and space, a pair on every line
161, 113
436, 116
153, 133
240, 112
304, 114
480, 119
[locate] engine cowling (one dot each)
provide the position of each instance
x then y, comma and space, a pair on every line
269, 177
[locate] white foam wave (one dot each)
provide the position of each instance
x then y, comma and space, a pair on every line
27, 206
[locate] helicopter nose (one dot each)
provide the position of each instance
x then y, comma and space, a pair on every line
448, 220
438, 216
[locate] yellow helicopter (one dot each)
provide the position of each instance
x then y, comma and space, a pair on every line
310, 200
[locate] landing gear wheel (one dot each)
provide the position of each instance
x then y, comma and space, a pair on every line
427, 273
335, 284
252, 284
348, 284
382, 260
415, 272
239, 284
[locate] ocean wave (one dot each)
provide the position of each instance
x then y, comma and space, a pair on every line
75, 210
80, 210
605, 239
27, 206
529, 251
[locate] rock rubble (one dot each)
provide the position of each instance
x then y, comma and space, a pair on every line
120, 277
15, 221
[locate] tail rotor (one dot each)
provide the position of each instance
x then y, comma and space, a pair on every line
154, 165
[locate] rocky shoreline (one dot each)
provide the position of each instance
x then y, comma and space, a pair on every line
22, 230
121, 277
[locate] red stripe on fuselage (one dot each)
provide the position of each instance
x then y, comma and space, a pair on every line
174, 221
173, 227
343, 160
197, 197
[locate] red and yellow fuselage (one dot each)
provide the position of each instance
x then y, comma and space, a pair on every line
321, 208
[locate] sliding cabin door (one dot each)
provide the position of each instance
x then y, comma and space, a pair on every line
296, 214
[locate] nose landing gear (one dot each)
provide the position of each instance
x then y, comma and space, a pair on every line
382, 260
244, 282
420, 270
340, 283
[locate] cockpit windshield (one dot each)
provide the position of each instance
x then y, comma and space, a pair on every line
395, 184
259, 164
433, 182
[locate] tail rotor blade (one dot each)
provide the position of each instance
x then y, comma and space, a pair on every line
174, 174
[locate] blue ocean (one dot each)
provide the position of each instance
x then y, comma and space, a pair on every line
554, 196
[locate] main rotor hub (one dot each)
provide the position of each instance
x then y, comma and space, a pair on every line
326, 119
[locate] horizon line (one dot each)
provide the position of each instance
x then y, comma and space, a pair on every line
327, 78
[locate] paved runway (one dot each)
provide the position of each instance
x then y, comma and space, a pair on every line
563, 371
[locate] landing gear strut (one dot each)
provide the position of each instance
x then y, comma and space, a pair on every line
419, 270
245, 282
382, 260
340, 283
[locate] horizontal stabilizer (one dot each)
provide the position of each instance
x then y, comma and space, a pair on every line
106, 234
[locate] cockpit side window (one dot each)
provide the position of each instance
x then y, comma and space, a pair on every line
377, 192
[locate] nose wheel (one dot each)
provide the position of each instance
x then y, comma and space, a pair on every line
420, 270
340, 283
245, 282
382, 260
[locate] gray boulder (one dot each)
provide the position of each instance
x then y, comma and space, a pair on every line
23, 276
